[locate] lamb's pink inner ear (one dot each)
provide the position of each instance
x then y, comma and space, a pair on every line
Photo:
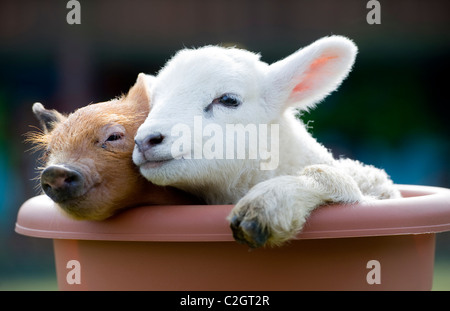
312, 74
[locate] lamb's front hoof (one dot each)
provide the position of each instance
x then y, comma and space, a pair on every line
249, 232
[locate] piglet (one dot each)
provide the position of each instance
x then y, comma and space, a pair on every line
87, 158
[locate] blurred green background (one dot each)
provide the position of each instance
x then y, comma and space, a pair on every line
390, 112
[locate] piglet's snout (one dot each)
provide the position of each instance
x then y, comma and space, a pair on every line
61, 183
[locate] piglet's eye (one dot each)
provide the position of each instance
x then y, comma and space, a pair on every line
45, 155
115, 136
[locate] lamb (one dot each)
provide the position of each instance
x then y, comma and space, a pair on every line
87, 167
222, 86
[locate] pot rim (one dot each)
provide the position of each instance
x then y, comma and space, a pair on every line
423, 209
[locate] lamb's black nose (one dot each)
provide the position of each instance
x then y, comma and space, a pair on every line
61, 183
149, 141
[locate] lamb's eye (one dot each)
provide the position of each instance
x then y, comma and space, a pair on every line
229, 100
115, 136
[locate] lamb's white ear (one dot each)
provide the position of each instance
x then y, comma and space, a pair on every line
310, 74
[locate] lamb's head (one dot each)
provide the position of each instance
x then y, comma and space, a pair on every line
202, 91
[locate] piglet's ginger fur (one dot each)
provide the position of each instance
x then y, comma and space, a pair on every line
95, 144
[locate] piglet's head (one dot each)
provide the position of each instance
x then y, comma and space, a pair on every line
87, 166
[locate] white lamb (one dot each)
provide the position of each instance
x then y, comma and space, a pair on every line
222, 86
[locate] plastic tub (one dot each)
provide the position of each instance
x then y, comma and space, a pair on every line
382, 245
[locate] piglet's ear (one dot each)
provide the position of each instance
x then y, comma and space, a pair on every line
310, 74
139, 93
47, 118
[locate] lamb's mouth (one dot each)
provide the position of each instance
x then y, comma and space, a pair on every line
154, 163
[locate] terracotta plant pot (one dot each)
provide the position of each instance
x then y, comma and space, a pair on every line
382, 245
